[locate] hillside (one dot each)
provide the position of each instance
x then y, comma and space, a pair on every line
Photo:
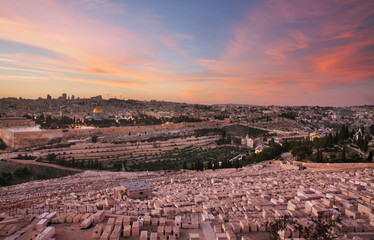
15, 173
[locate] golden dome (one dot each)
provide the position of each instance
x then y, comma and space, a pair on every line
98, 110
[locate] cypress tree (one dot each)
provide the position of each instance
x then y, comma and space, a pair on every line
360, 142
330, 141
229, 139
216, 164
210, 164
365, 145
237, 164
285, 145
336, 137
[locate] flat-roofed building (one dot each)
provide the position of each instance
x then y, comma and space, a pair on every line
134, 190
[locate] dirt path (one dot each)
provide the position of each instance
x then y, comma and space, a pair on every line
33, 162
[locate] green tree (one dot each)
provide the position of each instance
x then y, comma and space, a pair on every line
223, 135
22, 172
237, 163
370, 156
3, 182
353, 156
184, 164
51, 157
8, 176
94, 139
318, 156
229, 139
90, 164
286, 146
343, 155
302, 151
269, 153
344, 133
199, 165
330, 141
193, 166
124, 162
216, 164
117, 166
210, 164
96, 164
81, 164
365, 145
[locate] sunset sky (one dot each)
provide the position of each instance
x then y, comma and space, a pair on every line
199, 51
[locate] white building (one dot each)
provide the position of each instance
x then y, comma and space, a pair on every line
250, 142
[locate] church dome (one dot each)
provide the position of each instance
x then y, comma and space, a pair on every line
98, 110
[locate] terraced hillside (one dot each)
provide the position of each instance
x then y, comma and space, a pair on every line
155, 155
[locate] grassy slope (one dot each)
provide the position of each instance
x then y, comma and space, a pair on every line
37, 172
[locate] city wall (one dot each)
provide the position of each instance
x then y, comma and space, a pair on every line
19, 140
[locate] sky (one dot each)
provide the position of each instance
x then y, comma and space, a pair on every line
268, 52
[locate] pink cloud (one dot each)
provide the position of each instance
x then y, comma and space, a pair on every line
81, 44
298, 59
281, 51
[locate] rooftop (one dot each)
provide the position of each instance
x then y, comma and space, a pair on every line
132, 186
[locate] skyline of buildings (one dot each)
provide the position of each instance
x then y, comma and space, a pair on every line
100, 97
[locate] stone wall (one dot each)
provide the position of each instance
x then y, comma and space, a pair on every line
334, 166
288, 166
139, 193
324, 166
8, 137
16, 140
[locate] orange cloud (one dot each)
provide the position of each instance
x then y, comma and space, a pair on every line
81, 45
